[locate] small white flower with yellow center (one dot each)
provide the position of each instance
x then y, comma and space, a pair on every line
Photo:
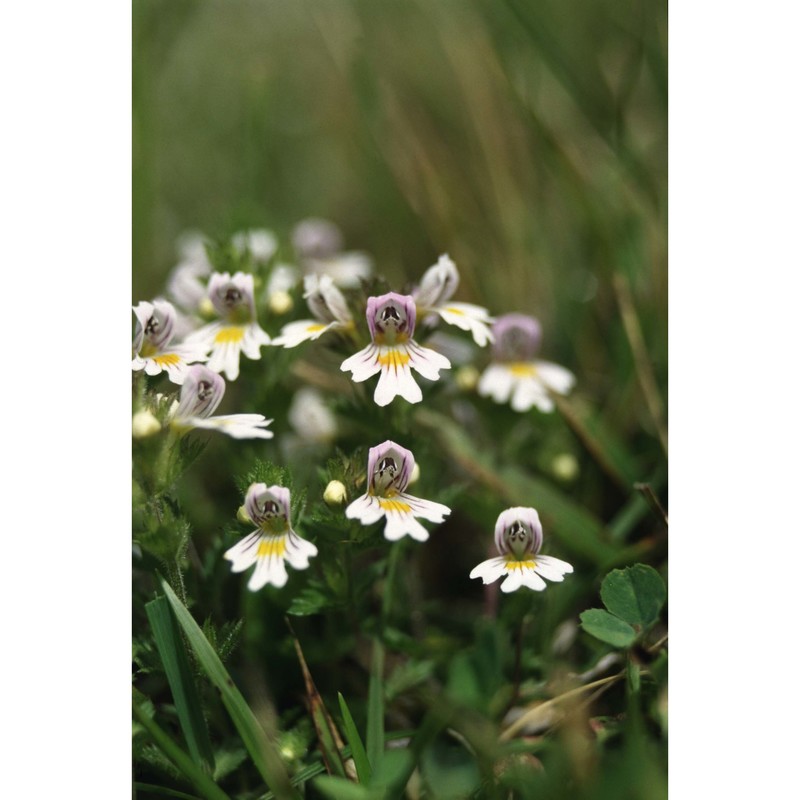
514, 372
518, 537
393, 353
201, 393
438, 285
273, 543
329, 307
238, 331
389, 468
152, 352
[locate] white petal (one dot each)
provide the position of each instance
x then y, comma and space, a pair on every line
254, 338
529, 392
205, 336
396, 380
468, 317
244, 553
551, 568
237, 426
555, 377
366, 508
364, 364
269, 569
299, 550
512, 582
152, 367
496, 382
532, 580
400, 524
427, 509
490, 570
305, 330
426, 361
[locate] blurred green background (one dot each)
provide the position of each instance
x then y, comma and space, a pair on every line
527, 139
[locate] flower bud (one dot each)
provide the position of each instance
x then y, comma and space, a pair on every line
145, 424
280, 302
243, 516
414, 476
467, 378
206, 307
565, 467
335, 493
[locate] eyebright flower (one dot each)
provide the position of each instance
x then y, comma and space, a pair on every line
518, 537
389, 469
393, 353
319, 243
238, 331
155, 329
200, 395
433, 294
259, 242
273, 542
310, 416
515, 374
329, 307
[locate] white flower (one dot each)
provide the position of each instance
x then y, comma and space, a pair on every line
273, 542
238, 331
518, 537
329, 307
200, 395
514, 373
152, 352
318, 244
389, 468
310, 416
433, 294
260, 243
393, 353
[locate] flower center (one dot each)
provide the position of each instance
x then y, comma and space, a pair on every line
204, 390
518, 539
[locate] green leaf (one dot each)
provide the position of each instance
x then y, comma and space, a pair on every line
634, 594
341, 789
254, 738
356, 745
375, 730
181, 682
199, 779
309, 601
607, 627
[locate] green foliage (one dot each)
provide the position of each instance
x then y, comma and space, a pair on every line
634, 597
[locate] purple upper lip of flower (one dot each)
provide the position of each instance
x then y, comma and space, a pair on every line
516, 337
404, 463
263, 502
510, 519
391, 308
201, 392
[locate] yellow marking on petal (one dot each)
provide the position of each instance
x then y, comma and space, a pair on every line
394, 359
394, 505
316, 327
522, 369
272, 546
167, 360
513, 564
230, 335
454, 311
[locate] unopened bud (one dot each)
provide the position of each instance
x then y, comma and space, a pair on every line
414, 476
467, 378
243, 516
565, 467
280, 303
335, 493
206, 307
145, 424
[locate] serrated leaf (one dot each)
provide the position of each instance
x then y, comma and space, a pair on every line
309, 601
634, 594
607, 627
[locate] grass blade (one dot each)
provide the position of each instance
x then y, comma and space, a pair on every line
254, 738
181, 682
356, 745
330, 742
182, 760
